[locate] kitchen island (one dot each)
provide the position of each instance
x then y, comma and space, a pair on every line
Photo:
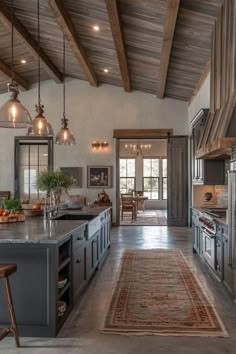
56, 259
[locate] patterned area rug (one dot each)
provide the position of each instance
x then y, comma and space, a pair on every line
157, 294
146, 218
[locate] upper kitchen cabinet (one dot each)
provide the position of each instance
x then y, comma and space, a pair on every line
209, 172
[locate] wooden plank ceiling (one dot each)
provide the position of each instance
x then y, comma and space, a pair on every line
129, 44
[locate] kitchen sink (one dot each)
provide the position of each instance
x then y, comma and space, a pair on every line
75, 217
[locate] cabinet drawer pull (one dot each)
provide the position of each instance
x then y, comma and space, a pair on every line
95, 241
78, 260
79, 238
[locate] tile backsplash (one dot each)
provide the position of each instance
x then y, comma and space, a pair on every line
219, 192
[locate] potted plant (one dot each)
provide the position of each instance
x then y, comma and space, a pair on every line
54, 183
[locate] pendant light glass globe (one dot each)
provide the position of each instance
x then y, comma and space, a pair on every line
41, 126
12, 113
65, 137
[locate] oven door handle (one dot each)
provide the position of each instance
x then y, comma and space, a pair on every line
207, 232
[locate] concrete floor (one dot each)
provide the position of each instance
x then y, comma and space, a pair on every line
80, 334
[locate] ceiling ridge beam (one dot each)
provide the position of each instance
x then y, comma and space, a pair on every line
168, 35
22, 83
118, 38
71, 35
29, 42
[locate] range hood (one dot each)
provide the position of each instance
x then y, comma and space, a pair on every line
219, 132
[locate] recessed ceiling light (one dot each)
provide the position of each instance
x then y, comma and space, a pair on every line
105, 70
23, 61
96, 28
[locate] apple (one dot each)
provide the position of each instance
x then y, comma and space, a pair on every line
36, 206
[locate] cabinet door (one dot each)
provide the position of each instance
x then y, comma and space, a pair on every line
95, 251
195, 235
227, 271
92, 255
79, 271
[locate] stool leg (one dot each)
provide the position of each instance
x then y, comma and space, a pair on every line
11, 312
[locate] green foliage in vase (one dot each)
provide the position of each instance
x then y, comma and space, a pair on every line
53, 181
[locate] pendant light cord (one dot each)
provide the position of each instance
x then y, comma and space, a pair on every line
39, 95
64, 84
12, 43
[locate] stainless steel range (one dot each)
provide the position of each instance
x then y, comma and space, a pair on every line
208, 224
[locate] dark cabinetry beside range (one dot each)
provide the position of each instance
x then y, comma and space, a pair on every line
204, 171
196, 233
214, 250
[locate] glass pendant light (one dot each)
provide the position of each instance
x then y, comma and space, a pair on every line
12, 113
64, 136
41, 126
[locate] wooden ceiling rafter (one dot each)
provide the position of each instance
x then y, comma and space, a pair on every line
22, 83
168, 36
71, 35
119, 41
29, 42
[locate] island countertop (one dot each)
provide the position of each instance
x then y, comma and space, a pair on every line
38, 230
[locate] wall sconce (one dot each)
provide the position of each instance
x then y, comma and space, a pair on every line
97, 146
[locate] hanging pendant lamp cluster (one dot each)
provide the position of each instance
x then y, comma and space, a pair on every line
64, 136
41, 126
12, 113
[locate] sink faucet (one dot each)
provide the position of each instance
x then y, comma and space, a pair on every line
50, 212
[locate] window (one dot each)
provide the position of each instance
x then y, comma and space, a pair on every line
151, 174
164, 178
127, 175
31, 157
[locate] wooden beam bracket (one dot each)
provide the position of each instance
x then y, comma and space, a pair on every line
118, 37
168, 35
29, 42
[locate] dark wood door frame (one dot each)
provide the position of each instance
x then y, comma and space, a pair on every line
121, 134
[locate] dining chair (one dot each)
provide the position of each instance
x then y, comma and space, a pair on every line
128, 205
140, 202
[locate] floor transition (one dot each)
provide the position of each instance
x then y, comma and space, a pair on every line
80, 334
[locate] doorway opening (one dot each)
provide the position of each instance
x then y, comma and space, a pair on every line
143, 182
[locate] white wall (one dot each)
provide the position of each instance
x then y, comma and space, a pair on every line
201, 100
93, 113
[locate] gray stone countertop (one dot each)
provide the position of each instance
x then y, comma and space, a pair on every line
37, 230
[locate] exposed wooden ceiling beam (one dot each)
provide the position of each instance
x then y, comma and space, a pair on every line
69, 31
118, 37
23, 84
168, 35
29, 42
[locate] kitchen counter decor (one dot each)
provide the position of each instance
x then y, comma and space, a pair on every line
11, 211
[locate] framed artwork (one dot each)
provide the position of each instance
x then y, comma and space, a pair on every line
75, 173
99, 177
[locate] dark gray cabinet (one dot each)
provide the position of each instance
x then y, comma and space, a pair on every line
208, 171
227, 269
79, 270
40, 268
204, 171
92, 255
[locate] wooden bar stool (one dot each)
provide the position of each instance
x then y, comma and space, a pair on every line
5, 271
